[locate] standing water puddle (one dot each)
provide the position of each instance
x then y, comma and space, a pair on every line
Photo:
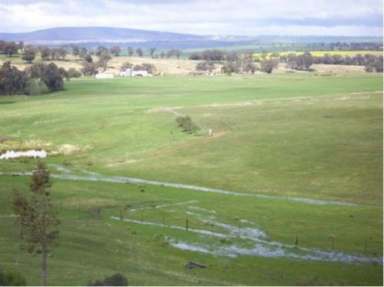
260, 243
10, 154
250, 242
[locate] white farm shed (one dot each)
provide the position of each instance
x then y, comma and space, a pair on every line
104, 76
134, 73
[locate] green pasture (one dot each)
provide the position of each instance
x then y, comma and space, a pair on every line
295, 135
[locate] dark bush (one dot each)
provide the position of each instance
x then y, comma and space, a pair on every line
230, 67
29, 54
116, 279
126, 66
89, 69
146, 67
206, 66
268, 66
88, 58
36, 78
11, 279
52, 77
36, 70
300, 62
12, 81
186, 124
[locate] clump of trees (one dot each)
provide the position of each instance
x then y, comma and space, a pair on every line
73, 73
186, 124
208, 55
372, 63
125, 66
10, 48
104, 58
115, 50
300, 62
88, 68
268, 65
344, 46
12, 81
206, 66
230, 67
37, 218
36, 79
29, 54
49, 74
173, 53
231, 62
130, 51
53, 54
114, 280
139, 52
375, 64
152, 52
150, 68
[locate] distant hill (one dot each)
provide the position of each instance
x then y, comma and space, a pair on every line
96, 34
108, 36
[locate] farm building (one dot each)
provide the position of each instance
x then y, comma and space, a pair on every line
134, 73
104, 76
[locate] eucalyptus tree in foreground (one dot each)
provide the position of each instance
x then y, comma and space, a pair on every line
37, 218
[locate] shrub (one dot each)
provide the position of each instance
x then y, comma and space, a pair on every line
36, 70
52, 77
268, 66
116, 279
89, 69
150, 68
146, 67
186, 124
50, 74
205, 66
73, 73
88, 58
29, 54
126, 66
300, 62
36, 87
230, 67
11, 279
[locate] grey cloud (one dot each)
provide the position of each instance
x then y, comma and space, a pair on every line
342, 17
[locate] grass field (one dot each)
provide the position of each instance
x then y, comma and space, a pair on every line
301, 154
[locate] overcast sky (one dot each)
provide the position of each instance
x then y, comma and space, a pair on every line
209, 17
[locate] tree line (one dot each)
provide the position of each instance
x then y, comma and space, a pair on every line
232, 62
